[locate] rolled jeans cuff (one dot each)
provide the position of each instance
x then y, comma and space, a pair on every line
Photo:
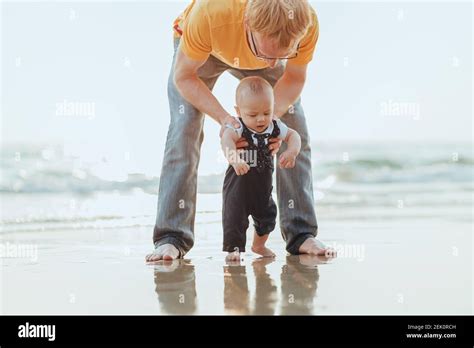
294, 248
173, 241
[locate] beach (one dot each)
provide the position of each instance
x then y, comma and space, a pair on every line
395, 264
73, 241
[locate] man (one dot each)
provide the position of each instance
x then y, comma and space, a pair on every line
274, 39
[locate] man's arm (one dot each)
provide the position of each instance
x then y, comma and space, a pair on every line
287, 90
195, 91
289, 87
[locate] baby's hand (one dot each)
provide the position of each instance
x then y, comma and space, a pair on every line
241, 168
287, 159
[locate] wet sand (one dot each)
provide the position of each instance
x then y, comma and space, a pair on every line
401, 267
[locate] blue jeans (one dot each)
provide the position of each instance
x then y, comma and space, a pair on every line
178, 181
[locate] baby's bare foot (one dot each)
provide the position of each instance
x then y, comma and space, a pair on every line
262, 262
258, 245
233, 257
263, 251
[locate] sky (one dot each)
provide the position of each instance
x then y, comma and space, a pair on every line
93, 75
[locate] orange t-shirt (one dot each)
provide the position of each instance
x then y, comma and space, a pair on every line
216, 27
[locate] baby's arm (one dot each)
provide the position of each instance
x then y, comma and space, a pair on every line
288, 157
228, 140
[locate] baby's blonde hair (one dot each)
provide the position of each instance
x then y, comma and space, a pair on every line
282, 20
253, 84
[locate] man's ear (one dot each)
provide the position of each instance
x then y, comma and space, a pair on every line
237, 110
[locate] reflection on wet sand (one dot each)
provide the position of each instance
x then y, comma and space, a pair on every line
299, 282
176, 287
236, 290
265, 289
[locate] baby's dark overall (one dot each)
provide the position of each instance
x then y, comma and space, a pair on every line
249, 194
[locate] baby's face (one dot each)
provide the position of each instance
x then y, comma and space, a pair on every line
256, 110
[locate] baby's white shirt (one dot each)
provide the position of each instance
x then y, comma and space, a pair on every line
283, 130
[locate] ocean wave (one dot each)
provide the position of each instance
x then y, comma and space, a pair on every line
58, 219
48, 170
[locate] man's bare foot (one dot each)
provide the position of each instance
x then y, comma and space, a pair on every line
258, 246
163, 252
313, 246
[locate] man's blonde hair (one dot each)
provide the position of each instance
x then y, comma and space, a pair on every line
282, 20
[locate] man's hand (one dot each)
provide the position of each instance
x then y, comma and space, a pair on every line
274, 145
241, 168
287, 159
241, 143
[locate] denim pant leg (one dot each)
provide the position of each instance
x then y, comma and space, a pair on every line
294, 186
178, 181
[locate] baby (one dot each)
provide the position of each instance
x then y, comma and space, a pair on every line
248, 179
